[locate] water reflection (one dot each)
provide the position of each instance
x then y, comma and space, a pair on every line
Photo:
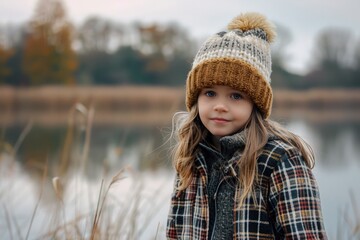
114, 146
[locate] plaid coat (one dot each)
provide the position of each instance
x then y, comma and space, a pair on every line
287, 197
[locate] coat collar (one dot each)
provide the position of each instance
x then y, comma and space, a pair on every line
228, 145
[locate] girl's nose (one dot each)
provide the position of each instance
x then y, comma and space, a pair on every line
220, 107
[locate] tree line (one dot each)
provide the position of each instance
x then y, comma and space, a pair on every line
49, 49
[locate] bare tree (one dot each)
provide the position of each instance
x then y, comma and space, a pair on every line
278, 47
357, 56
99, 35
332, 48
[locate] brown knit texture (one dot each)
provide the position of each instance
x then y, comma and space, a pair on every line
234, 73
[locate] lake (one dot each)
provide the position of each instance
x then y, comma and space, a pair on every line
51, 176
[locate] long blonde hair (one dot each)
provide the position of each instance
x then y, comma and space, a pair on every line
189, 132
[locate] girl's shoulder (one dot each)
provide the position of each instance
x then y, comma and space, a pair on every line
278, 155
278, 150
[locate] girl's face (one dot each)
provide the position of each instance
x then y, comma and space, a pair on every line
223, 110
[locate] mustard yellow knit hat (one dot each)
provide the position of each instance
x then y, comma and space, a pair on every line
239, 58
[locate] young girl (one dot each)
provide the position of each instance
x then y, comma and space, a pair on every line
239, 175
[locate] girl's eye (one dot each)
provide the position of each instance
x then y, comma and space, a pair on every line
210, 93
236, 96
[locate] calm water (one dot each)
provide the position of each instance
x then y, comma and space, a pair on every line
142, 197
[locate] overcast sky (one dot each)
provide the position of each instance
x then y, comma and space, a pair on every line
202, 18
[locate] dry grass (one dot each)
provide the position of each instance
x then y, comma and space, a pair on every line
131, 97
103, 98
317, 98
121, 105
107, 218
349, 222
155, 106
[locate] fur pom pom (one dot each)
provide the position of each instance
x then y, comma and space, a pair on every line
249, 21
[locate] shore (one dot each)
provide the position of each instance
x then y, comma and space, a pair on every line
156, 105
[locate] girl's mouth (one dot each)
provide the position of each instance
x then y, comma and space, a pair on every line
219, 120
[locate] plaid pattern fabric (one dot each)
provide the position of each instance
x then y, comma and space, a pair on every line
286, 203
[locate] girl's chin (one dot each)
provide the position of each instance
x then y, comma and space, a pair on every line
218, 135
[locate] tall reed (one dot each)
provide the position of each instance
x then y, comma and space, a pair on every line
108, 217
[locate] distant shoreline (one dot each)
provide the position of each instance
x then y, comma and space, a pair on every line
156, 105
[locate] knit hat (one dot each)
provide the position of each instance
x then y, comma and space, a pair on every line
239, 58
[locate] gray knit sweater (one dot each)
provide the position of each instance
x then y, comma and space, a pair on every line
221, 184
